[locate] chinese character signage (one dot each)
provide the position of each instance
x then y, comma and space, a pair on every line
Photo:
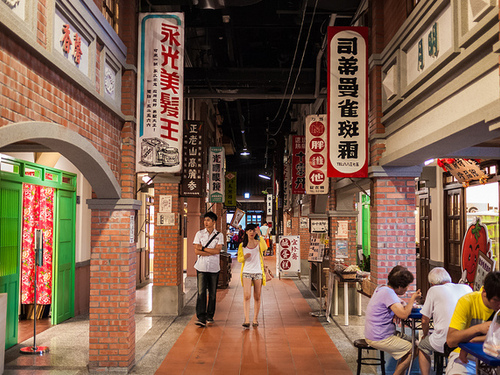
160, 92
348, 102
298, 164
287, 185
216, 174
289, 253
464, 170
192, 160
316, 155
230, 200
269, 204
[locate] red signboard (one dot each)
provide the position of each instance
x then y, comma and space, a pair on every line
348, 102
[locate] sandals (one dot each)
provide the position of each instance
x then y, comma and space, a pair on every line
246, 325
255, 324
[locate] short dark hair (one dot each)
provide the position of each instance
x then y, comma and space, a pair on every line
492, 285
399, 277
211, 215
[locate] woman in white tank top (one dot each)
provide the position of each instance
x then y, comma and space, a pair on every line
250, 254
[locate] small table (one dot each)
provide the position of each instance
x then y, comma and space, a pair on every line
412, 320
338, 277
483, 360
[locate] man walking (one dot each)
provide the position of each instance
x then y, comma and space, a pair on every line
207, 245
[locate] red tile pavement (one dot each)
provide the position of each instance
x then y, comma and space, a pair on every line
287, 341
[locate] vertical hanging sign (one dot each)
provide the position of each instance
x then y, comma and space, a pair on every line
160, 78
348, 102
269, 204
316, 155
192, 160
230, 200
298, 164
216, 174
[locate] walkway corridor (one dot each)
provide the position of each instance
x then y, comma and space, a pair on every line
287, 341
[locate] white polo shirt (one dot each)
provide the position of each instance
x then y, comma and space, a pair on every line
209, 263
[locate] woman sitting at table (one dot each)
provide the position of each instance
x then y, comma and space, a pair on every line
384, 306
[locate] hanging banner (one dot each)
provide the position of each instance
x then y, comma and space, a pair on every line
464, 170
192, 160
287, 187
348, 102
269, 204
298, 164
289, 254
160, 78
230, 200
216, 173
316, 155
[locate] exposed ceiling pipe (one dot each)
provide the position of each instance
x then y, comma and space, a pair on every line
333, 17
242, 124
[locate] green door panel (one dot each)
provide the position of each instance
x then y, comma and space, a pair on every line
10, 250
64, 264
365, 218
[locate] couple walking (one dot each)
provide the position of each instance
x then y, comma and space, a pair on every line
208, 245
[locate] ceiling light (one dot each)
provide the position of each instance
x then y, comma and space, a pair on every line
264, 176
427, 162
244, 152
246, 195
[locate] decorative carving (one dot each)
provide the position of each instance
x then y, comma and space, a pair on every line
109, 81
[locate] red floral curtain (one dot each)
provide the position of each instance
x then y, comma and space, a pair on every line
38, 213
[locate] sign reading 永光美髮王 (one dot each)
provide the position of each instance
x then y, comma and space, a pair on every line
316, 155
160, 77
348, 102
216, 174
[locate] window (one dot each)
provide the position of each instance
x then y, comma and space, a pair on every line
110, 11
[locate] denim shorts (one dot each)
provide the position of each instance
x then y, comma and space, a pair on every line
252, 276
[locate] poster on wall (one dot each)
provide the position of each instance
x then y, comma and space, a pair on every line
160, 77
347, 102
289, 254
319, 242
476, 246
316, 155
341, 250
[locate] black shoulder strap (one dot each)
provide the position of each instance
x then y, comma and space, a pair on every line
211, 239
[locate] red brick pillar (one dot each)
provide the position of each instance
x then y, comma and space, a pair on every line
168, 295
112, 285
392, 226
194, 216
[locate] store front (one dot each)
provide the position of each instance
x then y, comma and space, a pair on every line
36, 197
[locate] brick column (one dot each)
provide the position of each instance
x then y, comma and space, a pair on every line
168, 295
392, 227
194, 216
112, 285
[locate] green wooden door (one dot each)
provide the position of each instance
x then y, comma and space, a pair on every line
10, 250
64, 264
365, 216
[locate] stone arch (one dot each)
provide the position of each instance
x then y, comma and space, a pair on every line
71, 145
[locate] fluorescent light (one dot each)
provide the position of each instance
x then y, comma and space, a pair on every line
264, 176
245, 152
246, 195
427, 162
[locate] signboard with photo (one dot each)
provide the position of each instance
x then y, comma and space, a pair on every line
238, 215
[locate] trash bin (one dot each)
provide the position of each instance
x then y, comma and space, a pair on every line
3, 323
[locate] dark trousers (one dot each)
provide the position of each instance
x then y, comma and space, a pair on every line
206, 281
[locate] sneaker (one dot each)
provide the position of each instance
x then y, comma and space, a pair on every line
200, 323
210, 321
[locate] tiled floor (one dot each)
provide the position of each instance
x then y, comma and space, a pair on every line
287, 341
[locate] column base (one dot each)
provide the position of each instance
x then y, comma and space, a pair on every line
167, 300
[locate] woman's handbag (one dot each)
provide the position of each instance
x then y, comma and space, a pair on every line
491, 344
269, 274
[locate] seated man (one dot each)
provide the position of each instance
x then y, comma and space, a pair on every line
439, 305
380, 330
470, 322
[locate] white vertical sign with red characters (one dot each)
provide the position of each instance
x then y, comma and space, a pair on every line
347, 102
298, 164
289, 254
316, 155
160, 78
